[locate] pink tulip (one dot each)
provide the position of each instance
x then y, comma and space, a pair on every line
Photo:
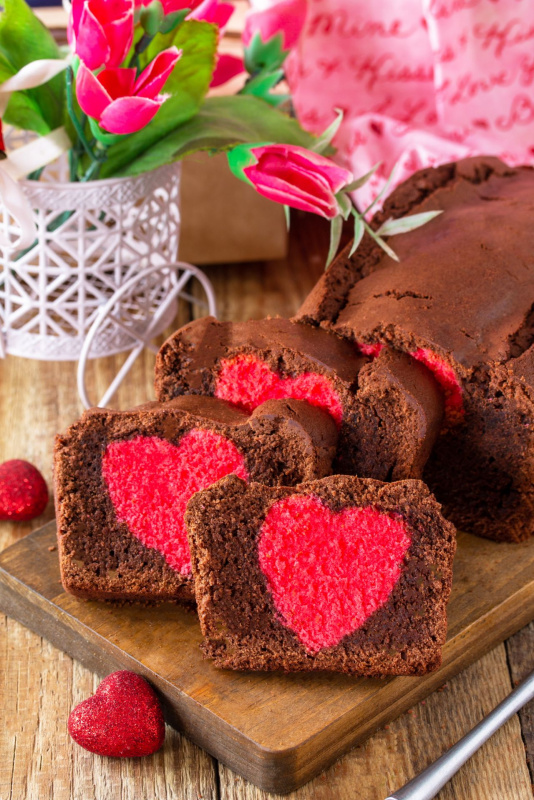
171, 6
119, 100
226, 68
286, 17
212, 11
101, 31
297, 177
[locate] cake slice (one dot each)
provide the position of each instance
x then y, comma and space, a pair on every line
123, 479
460, 300
388, 410
343, 574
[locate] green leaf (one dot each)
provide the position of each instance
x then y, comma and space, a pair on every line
23, 38
336, 226
151, 17
105, 138
239, 158
221, 123
324, 140
287, 214
381, 243
361, 181
359, 230
392, 227
344, 203
22, 111
381, 193
260, 86
187, 85
171, 21
266, 56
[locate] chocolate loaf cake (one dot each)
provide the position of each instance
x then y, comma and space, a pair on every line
123, 479
461, 300
388, 410
342, 574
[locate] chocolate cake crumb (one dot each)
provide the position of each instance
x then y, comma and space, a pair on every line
240, 611
461, 299
282, 442
390, 408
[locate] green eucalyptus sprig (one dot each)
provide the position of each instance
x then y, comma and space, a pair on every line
391, 227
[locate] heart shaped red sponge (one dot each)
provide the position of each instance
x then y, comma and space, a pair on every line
23, 492
122, 719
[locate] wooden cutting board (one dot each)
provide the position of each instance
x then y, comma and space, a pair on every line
278, 731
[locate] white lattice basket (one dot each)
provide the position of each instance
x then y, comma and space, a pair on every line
92, 238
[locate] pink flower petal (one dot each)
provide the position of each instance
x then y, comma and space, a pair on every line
120, 37
286, 17
91, 41
296, 201
227, 67
130, 114
170, 6
153, 78
213, 11
92, 96
295, 190
117, 82
337, 177
75, 14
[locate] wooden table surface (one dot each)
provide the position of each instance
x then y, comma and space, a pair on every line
40, 685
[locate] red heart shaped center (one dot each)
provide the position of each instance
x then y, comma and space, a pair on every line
151, 480
247, 381
123, 718
329, 572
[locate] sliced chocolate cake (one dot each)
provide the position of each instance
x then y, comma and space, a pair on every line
461, 300
343, 574
123, 479
388, 410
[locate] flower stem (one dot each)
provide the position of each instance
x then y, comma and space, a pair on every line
140, 47
78, 126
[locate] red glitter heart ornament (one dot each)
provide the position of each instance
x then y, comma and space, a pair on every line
151, 480
328, 572
23, 491
123, 718
247, 381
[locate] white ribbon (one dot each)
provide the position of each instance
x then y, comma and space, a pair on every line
30, 157
30, 76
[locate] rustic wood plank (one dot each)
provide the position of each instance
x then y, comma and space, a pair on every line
520, 651
242, 718
40, 687
406, 746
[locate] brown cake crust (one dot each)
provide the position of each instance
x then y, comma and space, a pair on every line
392, 408
237, 615
283, 442
464, 288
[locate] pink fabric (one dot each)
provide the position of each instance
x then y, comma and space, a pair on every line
286, 17
246, 382
151, 480
420, 82
329, 572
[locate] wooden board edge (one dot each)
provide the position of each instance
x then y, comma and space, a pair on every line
273, 770
348, 731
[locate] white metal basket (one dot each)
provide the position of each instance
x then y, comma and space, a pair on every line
92, 239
